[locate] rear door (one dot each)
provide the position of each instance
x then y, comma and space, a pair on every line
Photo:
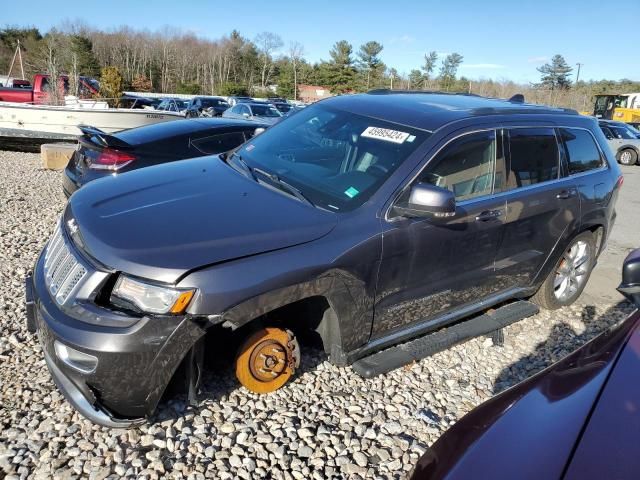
543, 205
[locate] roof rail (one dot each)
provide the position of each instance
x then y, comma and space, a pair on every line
385, 91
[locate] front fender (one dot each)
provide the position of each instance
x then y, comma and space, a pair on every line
341, 269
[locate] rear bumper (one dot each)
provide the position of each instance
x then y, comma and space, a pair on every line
133, 364
69, 183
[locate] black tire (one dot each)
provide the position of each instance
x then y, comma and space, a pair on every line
627, 156
548, 295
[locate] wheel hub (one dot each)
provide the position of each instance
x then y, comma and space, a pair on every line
267, 359
572, 270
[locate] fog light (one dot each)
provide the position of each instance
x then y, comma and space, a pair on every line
79, 361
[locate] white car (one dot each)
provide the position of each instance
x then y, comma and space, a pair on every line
624, 141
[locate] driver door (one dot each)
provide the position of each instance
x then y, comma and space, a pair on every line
431, 266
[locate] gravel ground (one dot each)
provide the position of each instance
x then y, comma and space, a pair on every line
328, 423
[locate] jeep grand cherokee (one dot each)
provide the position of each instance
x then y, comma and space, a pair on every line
371, 219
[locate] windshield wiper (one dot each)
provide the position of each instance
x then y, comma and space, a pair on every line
287, 186
243, 165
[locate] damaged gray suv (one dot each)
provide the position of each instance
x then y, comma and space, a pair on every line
391, 224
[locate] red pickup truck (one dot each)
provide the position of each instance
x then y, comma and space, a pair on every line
39, 94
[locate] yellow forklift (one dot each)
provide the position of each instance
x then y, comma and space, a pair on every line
620, 107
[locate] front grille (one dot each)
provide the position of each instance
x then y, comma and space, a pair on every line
62, 271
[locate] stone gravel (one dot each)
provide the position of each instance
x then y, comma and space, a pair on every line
328, 423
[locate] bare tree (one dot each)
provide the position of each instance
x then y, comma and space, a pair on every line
296, 52
268, 43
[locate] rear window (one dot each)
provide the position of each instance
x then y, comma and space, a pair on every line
220, 143
582, 152
534, 156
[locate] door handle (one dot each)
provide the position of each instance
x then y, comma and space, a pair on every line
488, 215
565, 194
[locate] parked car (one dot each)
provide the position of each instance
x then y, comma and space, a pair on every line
215, 106
170, 104
102, 155
578, 419
283, 107
623, 140
263, 112
370, 219
39, 93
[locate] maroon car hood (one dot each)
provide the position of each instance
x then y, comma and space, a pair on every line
610, 445
530, 430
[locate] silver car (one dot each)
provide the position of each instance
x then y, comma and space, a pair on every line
264, 112
623, 139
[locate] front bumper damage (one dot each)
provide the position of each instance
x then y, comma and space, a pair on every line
133, 365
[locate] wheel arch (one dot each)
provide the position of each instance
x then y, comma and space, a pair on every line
324, 305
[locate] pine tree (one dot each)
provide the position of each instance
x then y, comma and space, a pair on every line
449, 69
555, 75
415, 79
428, 67
369, 59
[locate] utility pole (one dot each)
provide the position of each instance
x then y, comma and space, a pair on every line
578, 74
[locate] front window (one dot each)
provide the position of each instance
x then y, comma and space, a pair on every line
466, 166
337, 159
265, 111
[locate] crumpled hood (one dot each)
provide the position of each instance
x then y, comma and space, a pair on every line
160, 222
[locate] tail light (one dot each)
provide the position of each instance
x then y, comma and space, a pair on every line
620, 182
111, 159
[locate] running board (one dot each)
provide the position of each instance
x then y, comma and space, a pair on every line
422, 347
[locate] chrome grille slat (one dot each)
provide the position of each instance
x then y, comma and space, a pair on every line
62, 270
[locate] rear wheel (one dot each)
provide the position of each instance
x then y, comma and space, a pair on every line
267, 359
566, 281
627, 156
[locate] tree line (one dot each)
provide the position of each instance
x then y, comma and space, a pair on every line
170, 60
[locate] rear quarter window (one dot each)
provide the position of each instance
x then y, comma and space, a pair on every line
582, 152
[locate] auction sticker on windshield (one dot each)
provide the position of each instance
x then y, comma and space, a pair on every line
385, 134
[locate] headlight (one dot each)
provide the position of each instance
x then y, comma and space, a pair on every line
151, 298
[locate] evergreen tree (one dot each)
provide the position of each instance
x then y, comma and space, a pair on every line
449, 69
555, 75
339, 73
369, 60
415, 79
428, 67
82, 49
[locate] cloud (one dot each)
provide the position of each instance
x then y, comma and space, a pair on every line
537, 59
404, 40
484, 66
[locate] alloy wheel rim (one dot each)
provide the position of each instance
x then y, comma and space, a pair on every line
572, 271
625, 157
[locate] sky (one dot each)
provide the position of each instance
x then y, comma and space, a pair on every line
498, 39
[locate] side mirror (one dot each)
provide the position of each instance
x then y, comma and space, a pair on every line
426, 200
245, 114
630, 286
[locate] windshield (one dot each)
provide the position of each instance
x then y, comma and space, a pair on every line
283, 107
213, 102
336, 159
265, 111
622, 132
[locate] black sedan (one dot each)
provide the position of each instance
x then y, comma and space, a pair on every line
577, 420
100, 154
